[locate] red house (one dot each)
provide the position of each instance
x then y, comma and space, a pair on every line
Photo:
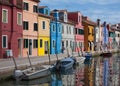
10, 27
79, 31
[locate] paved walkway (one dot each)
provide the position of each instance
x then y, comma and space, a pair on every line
5, 64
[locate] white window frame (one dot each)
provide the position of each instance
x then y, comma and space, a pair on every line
6, 16
21, 18
6, 41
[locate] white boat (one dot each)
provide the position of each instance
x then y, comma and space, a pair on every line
32, 73
80, 59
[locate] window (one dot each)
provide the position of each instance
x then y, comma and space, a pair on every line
80, 32
53, 42
67, 30
62, 29
40, 43
43, 24
5, 16
35, 27
25, 25
19, 18
35, 43
35, 8
53, 28
46, 11
25, 43
26, 6
71, 44
75, 30
59, 29
66, 43
4, 41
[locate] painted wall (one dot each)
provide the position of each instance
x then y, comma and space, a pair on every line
52, 37
57, 34
31, 17
43, 34
68, 36
79, 38
11, 29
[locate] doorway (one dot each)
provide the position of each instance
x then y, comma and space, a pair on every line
30, 46
46, 47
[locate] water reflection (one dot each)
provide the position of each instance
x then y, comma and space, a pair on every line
94, 72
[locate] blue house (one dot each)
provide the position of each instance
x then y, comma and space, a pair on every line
44, 10
105, 36
55, 33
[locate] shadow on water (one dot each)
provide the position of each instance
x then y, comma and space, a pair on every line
101, 71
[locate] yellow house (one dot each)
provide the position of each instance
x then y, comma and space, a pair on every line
88, 34
43, 34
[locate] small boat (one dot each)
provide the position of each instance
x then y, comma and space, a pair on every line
64, 64
106, 54
80, 60
32, 73
88, 55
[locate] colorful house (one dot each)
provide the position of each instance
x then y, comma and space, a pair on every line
111, 34
30, 27
88, 34
43, 30
67, 32
55, 33
97, 36
105, 36
79, 31
11, 27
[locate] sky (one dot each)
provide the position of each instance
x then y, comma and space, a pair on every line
105, 10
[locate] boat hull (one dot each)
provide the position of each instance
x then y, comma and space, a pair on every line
37, 74
106, 54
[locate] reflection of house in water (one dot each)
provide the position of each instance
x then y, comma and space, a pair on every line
79, 76
68, 80
106, 72
89, 73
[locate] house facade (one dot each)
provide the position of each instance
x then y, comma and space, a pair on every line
43, 30
55, 33
78, 30
88, 34
67, 32
11, 27
30, 27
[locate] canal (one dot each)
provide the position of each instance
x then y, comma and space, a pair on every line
99, 71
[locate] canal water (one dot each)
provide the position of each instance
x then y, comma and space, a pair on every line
100, 71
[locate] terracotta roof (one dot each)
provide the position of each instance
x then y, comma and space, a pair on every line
88, 21
42, 6
43, 15
36, 0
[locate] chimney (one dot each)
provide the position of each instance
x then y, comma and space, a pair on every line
104, 24
98, 22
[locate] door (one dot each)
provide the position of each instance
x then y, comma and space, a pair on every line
46, 47
30, 46
20, 47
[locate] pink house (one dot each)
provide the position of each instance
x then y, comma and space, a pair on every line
10, 27
78, 31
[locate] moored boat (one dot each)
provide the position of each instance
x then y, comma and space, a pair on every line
106, 54
88, 55
64, 64
32, 73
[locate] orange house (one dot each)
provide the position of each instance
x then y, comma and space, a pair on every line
88, 33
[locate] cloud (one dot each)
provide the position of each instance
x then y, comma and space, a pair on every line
100, 2
106, 10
